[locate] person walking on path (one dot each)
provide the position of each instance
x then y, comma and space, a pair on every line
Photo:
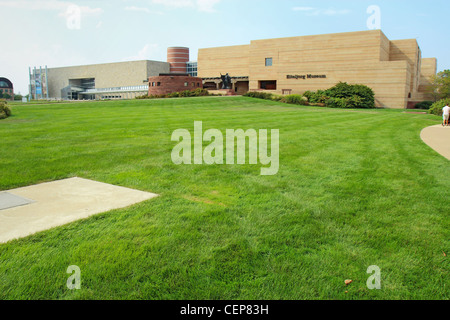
446, 115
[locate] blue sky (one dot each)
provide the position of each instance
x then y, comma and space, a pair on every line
47, 32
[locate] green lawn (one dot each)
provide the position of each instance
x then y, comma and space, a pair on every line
355, 188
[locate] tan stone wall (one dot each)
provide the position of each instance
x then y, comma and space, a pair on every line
106, 75
428, 69
408, 50
234, 60
390, 68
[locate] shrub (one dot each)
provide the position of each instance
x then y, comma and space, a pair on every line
5, 111
318, 97
201, 92
436, 108
174, 95
350, 92
259, 95
336, 103
308, 95
424, 105
354, 101
294, 99
277, 98
341, 90
187, 93
315, 97
342, 95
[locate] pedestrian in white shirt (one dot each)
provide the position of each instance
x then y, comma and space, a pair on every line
446, 114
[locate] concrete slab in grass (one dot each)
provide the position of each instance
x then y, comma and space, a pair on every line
61, 202
438, 138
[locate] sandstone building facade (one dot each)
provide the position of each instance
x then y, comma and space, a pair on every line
395, 70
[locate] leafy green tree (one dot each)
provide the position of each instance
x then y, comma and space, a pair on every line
440, 87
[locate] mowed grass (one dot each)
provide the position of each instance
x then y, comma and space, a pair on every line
355, 188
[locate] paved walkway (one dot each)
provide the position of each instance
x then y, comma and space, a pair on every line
438, 138
40, 207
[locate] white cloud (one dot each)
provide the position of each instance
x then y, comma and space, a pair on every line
146, 53
175, 3
34, 5
303, 8
48, 5
145, 10
207, 5
200, 5
310, 11
333, 12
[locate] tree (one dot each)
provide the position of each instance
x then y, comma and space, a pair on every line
440, 87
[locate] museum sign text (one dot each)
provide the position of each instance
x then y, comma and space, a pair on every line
307, 76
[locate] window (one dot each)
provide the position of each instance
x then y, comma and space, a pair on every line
269, 62
4, 84
186, 84
268, 85
159, 84
191, 68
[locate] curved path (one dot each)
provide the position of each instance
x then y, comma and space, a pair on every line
438, 138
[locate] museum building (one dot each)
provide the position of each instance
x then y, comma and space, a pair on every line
120, 80
6, 87
395, 70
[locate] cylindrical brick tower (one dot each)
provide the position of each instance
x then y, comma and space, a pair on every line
178, 57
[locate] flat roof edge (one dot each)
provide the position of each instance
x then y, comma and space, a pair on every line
106, 63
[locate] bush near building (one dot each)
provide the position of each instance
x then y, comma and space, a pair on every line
295, 99
424, 105
260, 95
342, 95
183, 94
290, 99
436, 108
5, 111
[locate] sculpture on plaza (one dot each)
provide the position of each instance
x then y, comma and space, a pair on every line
226, 81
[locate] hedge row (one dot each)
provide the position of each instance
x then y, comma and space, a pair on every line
341, 95
424, 105
183, 94
5, 111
